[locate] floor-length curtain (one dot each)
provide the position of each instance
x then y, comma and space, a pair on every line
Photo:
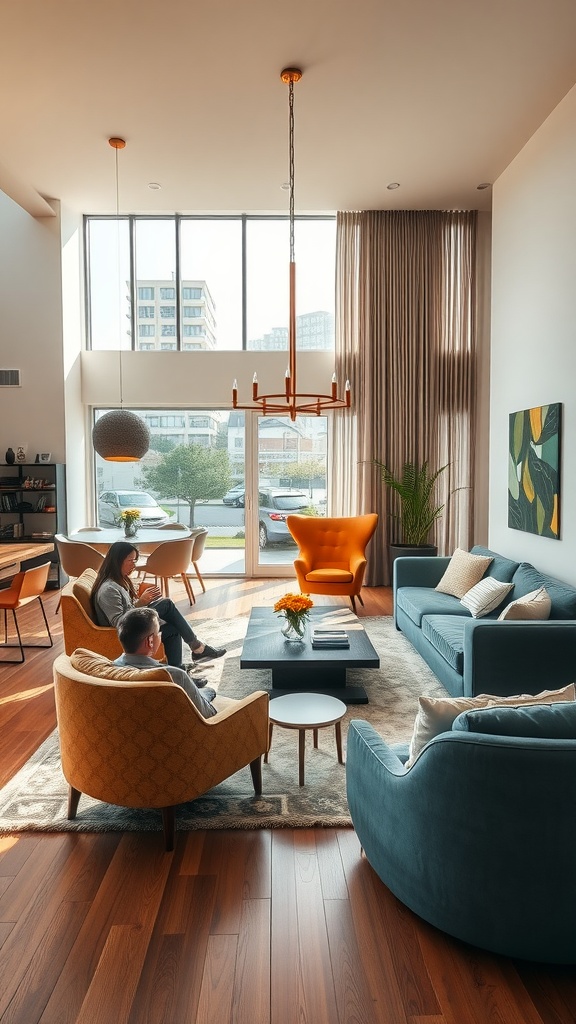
405, 330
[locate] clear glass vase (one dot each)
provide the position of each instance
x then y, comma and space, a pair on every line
294, 630
130, 530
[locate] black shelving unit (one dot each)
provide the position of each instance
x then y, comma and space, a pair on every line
33, 509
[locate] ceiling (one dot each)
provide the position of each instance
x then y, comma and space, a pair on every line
438, 95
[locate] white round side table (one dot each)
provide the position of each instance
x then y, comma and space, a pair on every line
303, 711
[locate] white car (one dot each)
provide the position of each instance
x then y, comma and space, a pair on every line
112, 503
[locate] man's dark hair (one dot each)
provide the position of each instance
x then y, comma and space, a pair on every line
134, 626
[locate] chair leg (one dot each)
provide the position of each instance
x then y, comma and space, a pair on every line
195, 564
12, 661
256, 769
359, 596
352, 602
73, 801
169, 826
188, 588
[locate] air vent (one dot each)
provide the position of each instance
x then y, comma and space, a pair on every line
10, 379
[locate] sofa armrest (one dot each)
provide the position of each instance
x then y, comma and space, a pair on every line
506, 658
419, 572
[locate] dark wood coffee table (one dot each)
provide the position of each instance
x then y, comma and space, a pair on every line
298, 666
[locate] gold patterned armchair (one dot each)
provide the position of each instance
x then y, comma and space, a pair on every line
133, 738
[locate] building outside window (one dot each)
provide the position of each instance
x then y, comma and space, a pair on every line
167, 293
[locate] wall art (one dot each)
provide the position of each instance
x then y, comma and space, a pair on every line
534, 470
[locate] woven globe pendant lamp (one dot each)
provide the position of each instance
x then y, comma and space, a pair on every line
120, 435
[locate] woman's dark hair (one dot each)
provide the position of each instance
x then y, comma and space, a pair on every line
111, 568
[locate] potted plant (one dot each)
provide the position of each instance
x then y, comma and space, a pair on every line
418, 511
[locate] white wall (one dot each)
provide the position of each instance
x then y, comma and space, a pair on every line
31, 332
533, 349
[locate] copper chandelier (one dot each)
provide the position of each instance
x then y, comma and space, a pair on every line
289, 401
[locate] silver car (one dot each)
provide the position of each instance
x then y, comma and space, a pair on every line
112, 503
274, 505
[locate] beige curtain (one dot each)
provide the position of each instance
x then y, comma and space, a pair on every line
405, 330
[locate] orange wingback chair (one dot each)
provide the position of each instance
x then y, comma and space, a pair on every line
332, 557
133, 738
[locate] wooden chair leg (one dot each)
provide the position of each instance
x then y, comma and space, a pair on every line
352, 602
188, 587
73, 801
359, 596
256, 770
201, 581
169, 826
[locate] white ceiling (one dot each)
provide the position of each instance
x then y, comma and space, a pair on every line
438, 95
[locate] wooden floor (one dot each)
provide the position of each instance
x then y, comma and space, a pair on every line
284, 926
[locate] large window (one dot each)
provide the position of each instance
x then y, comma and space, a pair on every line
234, 270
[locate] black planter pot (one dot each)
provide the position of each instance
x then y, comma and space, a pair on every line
410, 550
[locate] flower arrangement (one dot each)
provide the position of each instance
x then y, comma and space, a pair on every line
295, 608
129, 519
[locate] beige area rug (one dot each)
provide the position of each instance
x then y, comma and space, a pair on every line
36, 798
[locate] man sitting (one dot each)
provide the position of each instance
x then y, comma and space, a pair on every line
139, 634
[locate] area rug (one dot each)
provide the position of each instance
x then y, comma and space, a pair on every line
36, 798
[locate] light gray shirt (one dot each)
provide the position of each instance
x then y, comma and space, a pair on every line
180, 677
111, 602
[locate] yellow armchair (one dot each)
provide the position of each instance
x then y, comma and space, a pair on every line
332, 557
140, 742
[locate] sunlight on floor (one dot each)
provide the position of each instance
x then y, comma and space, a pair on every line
25, 694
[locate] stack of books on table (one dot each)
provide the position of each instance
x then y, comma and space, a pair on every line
329, 638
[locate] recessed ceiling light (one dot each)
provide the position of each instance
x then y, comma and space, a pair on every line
484, 184
154, 186
393, 185
285, 186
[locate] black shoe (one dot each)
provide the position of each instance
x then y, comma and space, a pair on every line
199, 680
208, 654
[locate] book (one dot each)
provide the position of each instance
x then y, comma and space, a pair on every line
329, 633
320, 645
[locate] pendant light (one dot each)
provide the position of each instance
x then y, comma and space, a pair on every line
289, 401
120, 435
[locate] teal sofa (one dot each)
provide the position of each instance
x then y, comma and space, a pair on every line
478, 836
471, 656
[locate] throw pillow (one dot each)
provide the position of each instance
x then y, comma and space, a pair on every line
485, 596
535, 605
437, 714
555, 721
463, 571
96, 665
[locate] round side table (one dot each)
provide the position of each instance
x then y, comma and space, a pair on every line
303, 711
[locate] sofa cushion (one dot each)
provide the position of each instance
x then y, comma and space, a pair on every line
463, 571
82, 590
541, 721
535, 606
437, 714
92, 664
485, 596
446, 634
500, 568
562, 595
419, 601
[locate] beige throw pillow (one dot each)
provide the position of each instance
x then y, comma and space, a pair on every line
535, 605
463, 572
485, 596
96, 665
437, 714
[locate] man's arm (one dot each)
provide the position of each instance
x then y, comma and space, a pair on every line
181, 678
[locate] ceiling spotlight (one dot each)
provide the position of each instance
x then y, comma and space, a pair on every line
393, 185
285, 186
154, 186
484, 184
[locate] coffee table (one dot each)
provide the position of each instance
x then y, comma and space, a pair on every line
297, 667
307, 711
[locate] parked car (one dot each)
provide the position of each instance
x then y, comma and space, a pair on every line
235, 496
112, 503
274, 505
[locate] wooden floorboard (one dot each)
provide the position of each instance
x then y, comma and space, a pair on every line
256, 927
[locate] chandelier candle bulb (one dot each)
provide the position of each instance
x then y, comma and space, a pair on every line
254, 387
234, 393
287, 384
334, 387
347, 393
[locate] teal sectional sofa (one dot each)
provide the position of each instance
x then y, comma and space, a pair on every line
471, 656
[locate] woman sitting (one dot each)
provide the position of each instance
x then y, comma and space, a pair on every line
114, 593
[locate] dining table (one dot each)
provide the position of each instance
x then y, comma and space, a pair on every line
146, 539
12, 556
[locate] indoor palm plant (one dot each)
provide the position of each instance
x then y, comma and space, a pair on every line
417, 506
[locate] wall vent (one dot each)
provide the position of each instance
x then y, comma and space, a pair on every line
10, 379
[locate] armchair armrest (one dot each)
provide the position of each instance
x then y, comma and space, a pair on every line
506, 658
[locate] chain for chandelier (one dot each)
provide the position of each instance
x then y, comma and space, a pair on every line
289, 401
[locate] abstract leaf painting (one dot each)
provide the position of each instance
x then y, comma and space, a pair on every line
534, 470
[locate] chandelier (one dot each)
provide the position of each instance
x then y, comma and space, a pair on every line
289, 401
120, 435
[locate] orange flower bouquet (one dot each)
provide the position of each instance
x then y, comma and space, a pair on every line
295, 609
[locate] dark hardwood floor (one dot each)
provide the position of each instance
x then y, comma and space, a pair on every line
284, 926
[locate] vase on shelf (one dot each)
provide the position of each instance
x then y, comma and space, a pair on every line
294, 630
10, 457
